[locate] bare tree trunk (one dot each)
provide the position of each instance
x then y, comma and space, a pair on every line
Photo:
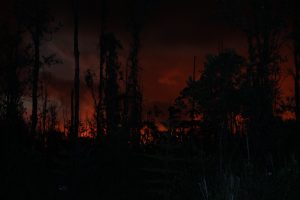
99, 111
35, 73
76, 77
44, 114
72, 115
64, 120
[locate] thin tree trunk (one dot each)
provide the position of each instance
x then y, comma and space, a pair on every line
76, 77
99, 111
72, 115
44, 113
35, 75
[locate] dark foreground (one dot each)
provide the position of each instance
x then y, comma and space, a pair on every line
165, 169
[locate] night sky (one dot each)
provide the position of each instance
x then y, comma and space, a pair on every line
173, 33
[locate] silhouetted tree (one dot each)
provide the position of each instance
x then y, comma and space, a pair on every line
34, 17
263, 24
217, 97
13, 62
74, 135
217, 93
133, 94
111, 99
100, 104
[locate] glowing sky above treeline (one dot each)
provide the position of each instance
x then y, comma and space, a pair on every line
173, 33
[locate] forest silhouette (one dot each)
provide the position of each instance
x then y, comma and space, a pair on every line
225, 136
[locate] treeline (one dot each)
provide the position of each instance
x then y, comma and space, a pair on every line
225, 137
116, 93
239, 96
32, 148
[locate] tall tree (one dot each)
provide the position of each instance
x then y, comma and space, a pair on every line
262, 22
33, 15
133, 97
76, 74
112, 102
35, 72
99, 109
217, 94
133, 93
13, 59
